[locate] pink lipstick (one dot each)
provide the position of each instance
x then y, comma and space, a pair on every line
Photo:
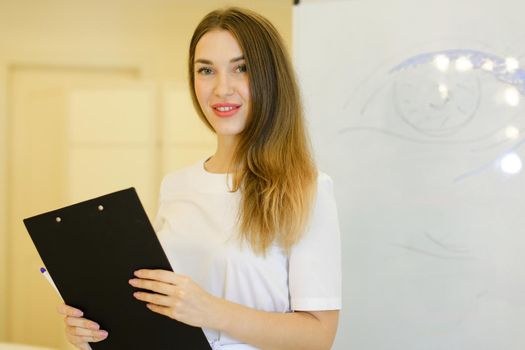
225, 109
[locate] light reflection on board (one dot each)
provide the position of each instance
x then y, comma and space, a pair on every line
455, 96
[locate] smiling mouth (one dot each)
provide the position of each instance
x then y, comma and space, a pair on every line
226, 109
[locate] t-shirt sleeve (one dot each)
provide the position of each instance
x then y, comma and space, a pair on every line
315, 261
158, 221
168, 185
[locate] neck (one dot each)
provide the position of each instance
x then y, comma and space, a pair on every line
220, 161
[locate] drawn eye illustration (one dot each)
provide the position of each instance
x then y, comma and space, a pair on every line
436, 104
451, 97
444, 93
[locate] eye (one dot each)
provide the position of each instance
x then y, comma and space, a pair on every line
241, 68
204, 71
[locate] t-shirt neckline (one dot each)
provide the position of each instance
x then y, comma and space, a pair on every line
209, 172
214, 182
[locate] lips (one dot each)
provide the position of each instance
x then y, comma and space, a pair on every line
225, 109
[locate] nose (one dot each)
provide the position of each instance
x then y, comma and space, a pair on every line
223, 85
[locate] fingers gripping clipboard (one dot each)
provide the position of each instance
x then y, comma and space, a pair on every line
91, 250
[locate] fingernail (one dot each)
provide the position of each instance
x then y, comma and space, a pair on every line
78, 313
103, 333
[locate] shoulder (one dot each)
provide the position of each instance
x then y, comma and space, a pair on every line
325, 183
179, 180
324, 178
324, 204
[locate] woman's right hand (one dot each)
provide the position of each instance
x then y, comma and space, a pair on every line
80, 331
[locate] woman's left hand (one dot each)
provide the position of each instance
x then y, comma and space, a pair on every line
177, 296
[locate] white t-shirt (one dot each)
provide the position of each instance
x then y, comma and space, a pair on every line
196, 227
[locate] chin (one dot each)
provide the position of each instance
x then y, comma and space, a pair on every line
230, 130
227, 133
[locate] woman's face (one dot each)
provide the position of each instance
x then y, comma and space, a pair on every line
221, 82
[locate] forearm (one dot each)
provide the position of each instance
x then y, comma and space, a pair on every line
178, 297
275, 331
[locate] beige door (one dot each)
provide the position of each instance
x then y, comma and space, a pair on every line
74, 133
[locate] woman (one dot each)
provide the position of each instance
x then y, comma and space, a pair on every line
251, 232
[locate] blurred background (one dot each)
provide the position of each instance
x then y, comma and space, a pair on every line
93, 99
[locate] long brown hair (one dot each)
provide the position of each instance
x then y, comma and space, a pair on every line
272, 163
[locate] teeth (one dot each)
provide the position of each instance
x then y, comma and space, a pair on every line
224, 109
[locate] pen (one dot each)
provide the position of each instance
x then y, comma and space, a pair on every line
49, 279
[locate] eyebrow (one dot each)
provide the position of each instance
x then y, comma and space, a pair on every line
233, 60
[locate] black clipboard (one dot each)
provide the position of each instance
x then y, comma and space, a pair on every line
91, 250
